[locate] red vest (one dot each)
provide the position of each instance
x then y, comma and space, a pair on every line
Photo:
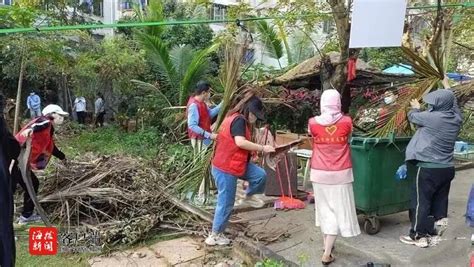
42, 144
331, 150
204, 118
228, 157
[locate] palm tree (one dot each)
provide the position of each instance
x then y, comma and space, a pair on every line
179, 67
273, 43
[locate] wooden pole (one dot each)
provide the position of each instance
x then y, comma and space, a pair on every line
18, 94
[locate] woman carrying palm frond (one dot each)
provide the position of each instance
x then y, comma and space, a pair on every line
231, 161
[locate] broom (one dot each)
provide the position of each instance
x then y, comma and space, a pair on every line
286, 202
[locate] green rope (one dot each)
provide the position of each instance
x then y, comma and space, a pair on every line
131, 24
182, 22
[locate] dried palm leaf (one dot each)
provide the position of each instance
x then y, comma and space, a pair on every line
191, 177
395, 119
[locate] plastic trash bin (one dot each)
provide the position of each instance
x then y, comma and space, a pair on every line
377, 190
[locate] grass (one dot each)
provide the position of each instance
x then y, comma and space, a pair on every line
111, 141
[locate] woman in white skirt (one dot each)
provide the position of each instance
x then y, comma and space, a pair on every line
331, 173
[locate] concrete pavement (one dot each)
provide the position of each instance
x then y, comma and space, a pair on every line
305, 243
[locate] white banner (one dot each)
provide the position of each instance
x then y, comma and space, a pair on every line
377, 23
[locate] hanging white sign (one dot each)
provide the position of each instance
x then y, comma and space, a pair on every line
377, 23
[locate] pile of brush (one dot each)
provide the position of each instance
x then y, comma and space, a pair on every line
118, 196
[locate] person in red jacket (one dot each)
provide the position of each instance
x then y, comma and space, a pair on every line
41, 131
231, 161
331, 173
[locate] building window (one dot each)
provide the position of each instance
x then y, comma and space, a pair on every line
218, 12
327, 26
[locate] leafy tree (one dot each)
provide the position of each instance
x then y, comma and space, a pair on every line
382, 58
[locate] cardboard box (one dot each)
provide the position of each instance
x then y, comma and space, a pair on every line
307, 142
284, 137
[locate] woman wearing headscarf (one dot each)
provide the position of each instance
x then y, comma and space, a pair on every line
331, 173
431, 149
9, 150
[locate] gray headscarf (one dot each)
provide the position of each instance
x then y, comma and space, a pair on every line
440, 100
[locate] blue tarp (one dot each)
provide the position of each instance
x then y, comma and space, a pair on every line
399, 69
458, 77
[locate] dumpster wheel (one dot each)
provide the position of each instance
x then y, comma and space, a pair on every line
372, 225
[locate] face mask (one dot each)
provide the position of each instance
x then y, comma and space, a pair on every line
388, 100
57, 119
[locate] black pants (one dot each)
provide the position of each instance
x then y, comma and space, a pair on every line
28, 205
81, 117
7, 236
99, 121
429, 200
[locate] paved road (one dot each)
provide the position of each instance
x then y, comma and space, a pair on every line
305, 244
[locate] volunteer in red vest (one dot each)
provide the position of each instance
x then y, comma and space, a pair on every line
331, 173
41, 131
200, 116
231, 161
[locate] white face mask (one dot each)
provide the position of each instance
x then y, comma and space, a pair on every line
388, 100
57, 119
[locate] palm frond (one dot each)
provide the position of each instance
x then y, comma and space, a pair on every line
282, 34
395, 119
270, 39
191, 177
181, 57
159, 55
151, 87
195, 71
154, 13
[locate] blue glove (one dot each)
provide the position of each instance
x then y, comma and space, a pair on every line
401, 173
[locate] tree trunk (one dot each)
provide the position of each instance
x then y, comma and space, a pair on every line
18, 95
336, 76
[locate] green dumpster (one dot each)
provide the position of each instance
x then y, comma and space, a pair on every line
377, 190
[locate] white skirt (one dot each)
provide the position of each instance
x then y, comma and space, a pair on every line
335, 209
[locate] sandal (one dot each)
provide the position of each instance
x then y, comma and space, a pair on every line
331, 260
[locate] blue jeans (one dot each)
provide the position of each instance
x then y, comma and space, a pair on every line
35, 113
226, 188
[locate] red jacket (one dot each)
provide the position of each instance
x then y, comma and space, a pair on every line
204, 118
331, 150
228, 157
42, 143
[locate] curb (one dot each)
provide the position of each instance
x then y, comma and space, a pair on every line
252, 252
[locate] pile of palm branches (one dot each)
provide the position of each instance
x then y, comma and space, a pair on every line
120, 197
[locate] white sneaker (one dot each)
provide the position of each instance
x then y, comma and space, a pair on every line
252, 201
217, 239
421, 243
33, 218
441, 226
